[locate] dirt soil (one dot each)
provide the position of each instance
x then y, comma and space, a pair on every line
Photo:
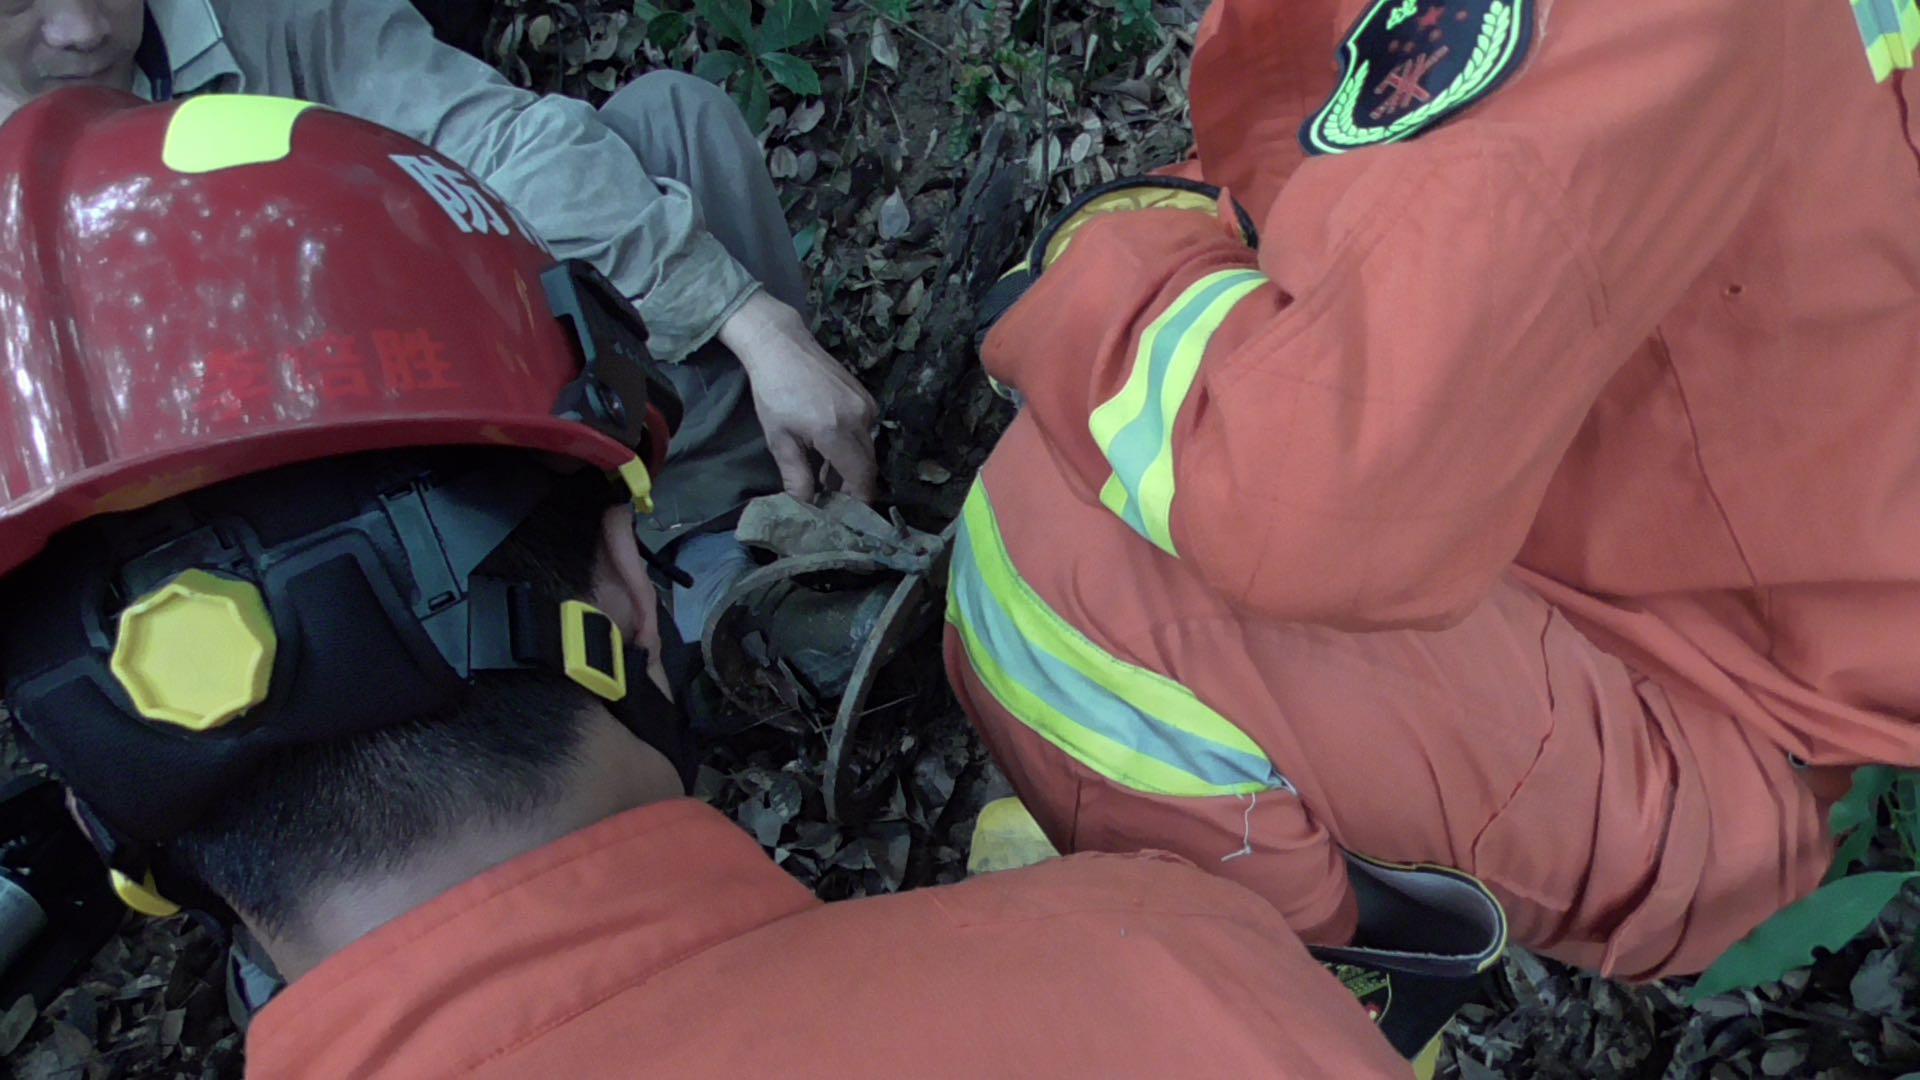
926, 158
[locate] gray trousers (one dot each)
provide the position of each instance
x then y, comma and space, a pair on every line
685, 128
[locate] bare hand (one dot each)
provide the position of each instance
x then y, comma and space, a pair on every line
806, 400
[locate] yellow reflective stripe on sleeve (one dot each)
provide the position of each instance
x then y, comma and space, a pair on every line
1133, 726
1890, 31
1134, 428
1146, 196
225, 131
1113, 496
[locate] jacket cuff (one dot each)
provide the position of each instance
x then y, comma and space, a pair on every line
700, 292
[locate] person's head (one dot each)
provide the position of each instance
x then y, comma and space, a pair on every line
48, 44
317, 478
317, 841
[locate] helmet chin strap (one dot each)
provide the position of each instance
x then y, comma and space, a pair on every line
654, 719
653, 715
149, 879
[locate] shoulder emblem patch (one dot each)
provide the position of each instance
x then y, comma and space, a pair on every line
1411, 64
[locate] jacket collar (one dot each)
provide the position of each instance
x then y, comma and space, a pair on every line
526, 946
196, 46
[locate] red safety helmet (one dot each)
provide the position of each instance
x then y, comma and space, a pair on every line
345, 289
197, 292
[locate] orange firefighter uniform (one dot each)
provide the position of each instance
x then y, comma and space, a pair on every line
664, 943
1541, 497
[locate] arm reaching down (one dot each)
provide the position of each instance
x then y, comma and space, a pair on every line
806, 400
581, 188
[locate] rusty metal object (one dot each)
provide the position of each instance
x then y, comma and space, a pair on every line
848, 591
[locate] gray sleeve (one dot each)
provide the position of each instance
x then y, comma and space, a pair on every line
574, 181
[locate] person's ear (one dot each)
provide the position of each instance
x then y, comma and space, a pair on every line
621, 586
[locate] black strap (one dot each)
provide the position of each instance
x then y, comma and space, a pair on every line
997, 301
650, 716
534, 629
619, 378
154, 61
512, 628
139, 862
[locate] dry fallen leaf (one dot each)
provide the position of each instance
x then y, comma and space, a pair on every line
910, 303
1044, 160
807, 117
16, 1023
894, 217
885, 52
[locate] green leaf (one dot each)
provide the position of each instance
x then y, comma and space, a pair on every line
1854, 818
731, 19
1903, 804
793, 73
751, 92
807, 239
667, 29
792, 23
894, 11
1857, 810
719, 65
1831, 917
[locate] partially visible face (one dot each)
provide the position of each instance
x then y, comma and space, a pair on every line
48, 44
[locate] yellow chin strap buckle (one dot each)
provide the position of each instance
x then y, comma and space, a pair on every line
143, 897
640, 483
591, 651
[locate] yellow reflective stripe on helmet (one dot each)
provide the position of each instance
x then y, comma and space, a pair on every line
1890, 30
225, 131
1133, 726
1134, 428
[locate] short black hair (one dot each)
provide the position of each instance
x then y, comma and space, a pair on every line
322, 814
